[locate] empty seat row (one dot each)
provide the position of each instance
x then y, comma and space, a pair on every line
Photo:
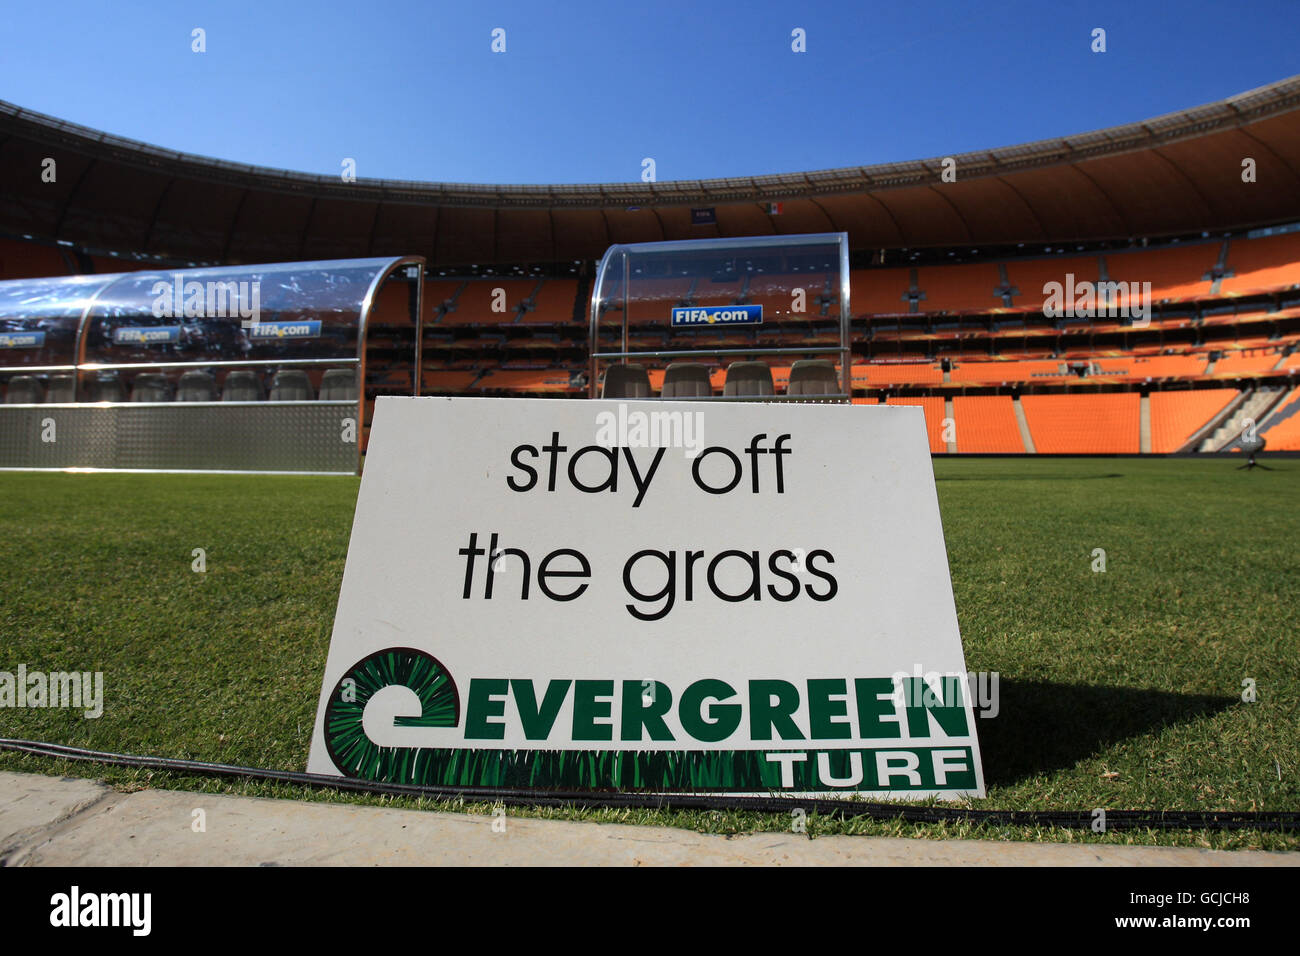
810, 377
290, 385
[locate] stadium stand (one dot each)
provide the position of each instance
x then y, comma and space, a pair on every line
1272, 262
1166, 366
1177, 416
1282, 430
1226, 307
1176, 273
1245, 362
1083, 424
886, 374
521, 380
553, 303
1013, 371
959, 288
986, 423
880, 291
1029, 276
20, 259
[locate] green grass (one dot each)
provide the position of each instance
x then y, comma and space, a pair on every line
1118, 690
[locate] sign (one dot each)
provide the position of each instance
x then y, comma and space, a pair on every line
706, 216
22, 340
717, 315
299, 329
147, 335
589, 595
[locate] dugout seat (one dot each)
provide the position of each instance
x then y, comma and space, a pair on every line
197, 387
62, 389
686, 380
813, 377
626, 381
242, 387
291, 385
151, 387
24, 390
748, 379
338, 385
109, 388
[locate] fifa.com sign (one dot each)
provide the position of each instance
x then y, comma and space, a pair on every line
560, 595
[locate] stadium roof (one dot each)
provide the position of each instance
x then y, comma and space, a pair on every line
1171, 175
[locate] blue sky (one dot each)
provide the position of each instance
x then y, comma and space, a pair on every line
585, 91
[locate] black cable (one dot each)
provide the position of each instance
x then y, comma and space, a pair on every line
1115, 819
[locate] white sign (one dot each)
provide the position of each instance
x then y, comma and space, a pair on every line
743, 598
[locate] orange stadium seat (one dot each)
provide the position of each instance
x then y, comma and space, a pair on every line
933, 419
901, 373
526, 380
986, 423
708, 292
959, 288
1282, 429
1030, 275
776, 294
1177, 416
1261, 264
554, 303
31, 260
474, 303
447, 381
438, 292
1012, 371
1173, 273
1167, 366
879, 291
1083, 424
1246, 361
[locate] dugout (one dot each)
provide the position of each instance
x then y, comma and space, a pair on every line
741, 319
258, 368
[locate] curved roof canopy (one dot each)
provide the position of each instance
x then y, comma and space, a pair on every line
1170, 175
282, 313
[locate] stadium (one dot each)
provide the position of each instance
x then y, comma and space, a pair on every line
951, 281
1102, 331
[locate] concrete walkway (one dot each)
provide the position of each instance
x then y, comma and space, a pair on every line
72, 822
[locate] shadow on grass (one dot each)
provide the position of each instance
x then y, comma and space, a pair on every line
1042, 727
1113, 474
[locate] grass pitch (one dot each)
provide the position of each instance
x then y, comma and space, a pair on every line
1119, 689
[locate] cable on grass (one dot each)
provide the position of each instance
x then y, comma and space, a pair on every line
591, 800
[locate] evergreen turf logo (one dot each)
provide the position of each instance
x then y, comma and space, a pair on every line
1092, 300
761, 735
651, 429
77, 690
77, 909
208, 300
